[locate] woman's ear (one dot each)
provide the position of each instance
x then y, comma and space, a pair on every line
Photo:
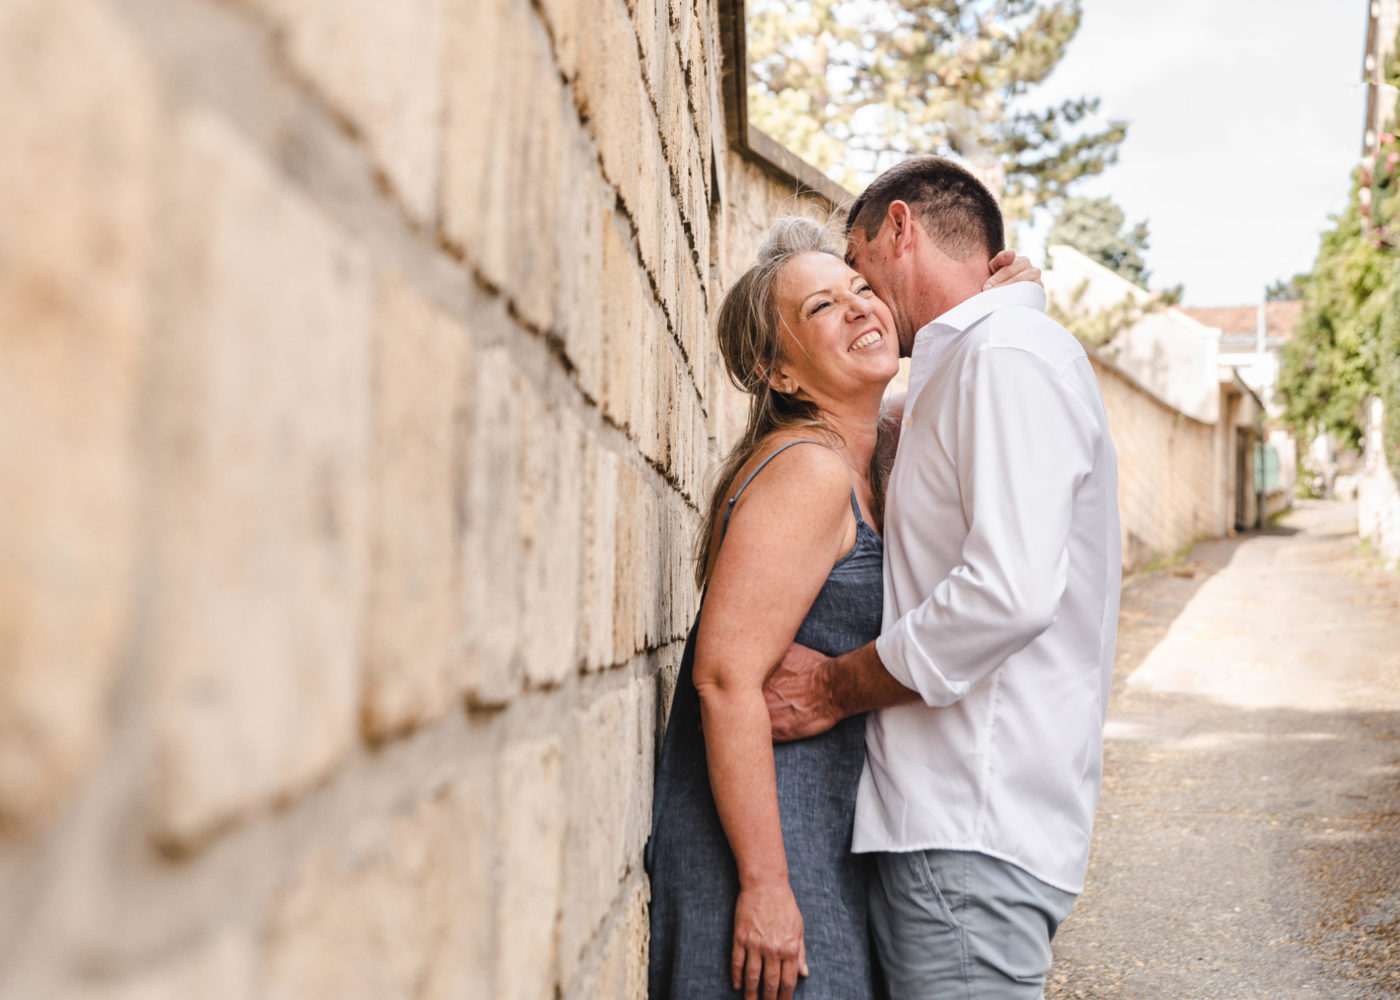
779, 381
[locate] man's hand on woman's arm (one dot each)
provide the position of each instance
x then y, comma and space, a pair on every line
808, 693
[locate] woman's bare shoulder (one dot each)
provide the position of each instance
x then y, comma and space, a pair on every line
796, 459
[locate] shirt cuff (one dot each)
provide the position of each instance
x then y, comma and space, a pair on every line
891, 647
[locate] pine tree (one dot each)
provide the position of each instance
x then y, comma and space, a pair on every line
1096, 228
853, 86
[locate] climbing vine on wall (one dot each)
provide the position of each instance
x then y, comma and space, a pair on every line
1347, 346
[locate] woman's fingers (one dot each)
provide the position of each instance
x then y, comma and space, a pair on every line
736, 965
802, 958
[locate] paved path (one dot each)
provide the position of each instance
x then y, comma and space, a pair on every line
1248, 838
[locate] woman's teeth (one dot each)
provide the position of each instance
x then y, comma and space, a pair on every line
870, 338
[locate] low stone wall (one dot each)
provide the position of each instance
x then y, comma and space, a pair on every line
356, 399
1168, 473
1378, 495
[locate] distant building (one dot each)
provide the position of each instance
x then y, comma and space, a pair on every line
1209, 368
1252, 339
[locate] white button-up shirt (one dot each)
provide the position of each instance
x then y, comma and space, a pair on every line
1002, 575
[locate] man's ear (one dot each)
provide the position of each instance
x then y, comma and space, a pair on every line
900, 222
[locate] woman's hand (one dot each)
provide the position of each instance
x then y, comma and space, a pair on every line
1006, 267
769, 953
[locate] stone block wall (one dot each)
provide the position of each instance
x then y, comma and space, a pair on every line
1169, 485
356, 401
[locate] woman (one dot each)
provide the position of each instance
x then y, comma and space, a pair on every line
753, 881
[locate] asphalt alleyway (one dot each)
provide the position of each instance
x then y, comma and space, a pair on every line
1248, 839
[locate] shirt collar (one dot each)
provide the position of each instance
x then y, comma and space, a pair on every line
969, 311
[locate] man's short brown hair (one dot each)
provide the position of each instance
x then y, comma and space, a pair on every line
956, 208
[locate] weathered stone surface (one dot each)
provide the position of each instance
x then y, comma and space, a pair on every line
530, 841
601, 473
261, 400
507, 124
584, 208
76, 189
413, 606
408, 918
622, 970
379, 65
221, 968
601, 761
550, 531
493, 573
623, 301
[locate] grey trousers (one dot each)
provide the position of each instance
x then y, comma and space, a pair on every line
954, 925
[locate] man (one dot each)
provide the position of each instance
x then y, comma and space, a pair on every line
1002, 573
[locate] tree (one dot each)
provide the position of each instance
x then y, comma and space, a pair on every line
1286, 291
853, 85
1347, 344
1096, 228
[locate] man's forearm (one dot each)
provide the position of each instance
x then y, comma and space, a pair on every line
858, 682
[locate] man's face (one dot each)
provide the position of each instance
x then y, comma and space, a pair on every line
872, 260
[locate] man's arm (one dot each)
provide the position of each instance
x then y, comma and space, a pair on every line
809, 693
1024, 443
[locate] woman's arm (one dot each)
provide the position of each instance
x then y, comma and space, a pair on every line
789, 527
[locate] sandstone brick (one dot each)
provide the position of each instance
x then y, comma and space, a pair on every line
646, 427
640, 766
621, 973
566, 22
550, 531
379, 65
76, 194
261, 409
601, 474
220, 968
583, 212
530, 840
492, 568
650, 22
407, 917
601, 764
412, 664
623, 299
631, 566
506, 120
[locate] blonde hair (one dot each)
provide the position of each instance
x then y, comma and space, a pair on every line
751, 345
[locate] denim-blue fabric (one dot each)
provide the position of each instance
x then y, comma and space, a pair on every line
694, 883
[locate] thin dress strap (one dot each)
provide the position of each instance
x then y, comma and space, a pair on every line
729, 509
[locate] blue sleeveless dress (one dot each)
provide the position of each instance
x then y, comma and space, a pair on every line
694, 880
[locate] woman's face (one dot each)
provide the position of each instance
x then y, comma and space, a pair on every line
838, 336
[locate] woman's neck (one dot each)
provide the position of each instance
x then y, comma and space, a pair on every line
858, 423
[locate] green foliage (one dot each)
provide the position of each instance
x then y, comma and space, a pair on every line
851, 84
1347, 346
1096, 228
1289, 290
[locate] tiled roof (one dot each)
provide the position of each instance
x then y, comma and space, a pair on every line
1281, 319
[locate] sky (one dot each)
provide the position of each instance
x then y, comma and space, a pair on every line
1245, 122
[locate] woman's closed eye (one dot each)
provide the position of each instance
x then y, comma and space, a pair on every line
818, 307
